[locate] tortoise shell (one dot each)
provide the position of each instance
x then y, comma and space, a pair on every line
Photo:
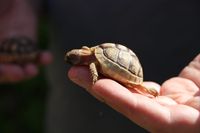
114, 61
119, 62
18, 50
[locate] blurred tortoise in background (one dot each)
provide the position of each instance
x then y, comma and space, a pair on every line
114, 61
18, 50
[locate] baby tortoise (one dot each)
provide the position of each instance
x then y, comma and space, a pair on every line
114, 61
19, 50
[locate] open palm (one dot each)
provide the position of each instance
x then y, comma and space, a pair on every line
176, 109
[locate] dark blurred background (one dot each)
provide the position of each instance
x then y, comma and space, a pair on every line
171, 29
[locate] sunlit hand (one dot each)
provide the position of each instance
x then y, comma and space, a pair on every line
12, 73
177, 109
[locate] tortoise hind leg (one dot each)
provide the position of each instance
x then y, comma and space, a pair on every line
94, 72
146, 91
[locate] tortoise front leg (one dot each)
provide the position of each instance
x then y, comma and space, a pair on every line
94, 72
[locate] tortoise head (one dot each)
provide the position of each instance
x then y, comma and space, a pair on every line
81, 56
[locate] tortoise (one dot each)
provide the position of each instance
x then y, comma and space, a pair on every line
18, 50
114, 61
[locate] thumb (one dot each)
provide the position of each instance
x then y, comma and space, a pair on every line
192, 71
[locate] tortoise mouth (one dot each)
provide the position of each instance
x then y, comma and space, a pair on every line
72, 59
69, 59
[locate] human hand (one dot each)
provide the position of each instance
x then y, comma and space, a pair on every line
20, 19
12, 73
176, 109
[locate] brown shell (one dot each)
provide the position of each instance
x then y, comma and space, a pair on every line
119, 63
17, 50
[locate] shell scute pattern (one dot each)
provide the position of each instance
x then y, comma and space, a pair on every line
18, 50
124, 57
111, 53
114, 61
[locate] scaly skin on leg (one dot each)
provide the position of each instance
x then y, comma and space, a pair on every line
93, 71
153, 91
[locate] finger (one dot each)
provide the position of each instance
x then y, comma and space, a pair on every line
138, 108
45, 58
16, 73
194, 102
81, 76
30, 70
192, 71
11, 73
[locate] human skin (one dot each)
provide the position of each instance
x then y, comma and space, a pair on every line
18, 18
176, 109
